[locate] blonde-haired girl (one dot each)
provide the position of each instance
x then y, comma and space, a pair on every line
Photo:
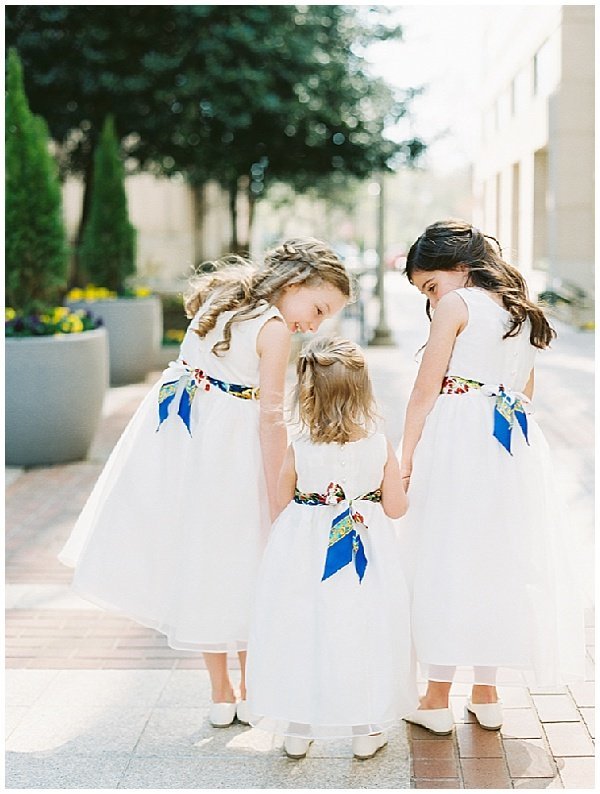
329, 649
173, 532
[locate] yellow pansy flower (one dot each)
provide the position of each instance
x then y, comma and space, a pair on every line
60, 312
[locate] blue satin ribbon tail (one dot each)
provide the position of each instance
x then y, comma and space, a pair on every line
502, 429
522, 420
166, 396
185, 409
338, 555
360, 558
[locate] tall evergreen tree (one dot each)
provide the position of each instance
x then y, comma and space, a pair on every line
36, 248
108, 245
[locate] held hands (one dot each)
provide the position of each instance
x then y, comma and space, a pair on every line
405, 474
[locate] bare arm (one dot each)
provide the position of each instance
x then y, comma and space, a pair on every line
273, 347
528, 390
449, 318
393, 495
287, 479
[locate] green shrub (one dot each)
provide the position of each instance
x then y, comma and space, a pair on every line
107, 253
36, 245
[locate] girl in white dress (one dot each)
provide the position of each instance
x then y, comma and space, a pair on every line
174, 529
329, 653
492, 585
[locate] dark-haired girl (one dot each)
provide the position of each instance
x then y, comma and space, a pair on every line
492, 586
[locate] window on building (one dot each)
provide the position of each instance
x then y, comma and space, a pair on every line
503, 105
546, 67
498, 197
540, 209
489, 123
515, 208
521, 90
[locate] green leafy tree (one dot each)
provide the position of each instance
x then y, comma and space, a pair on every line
36, 249
289, 99
108, 244
246, 95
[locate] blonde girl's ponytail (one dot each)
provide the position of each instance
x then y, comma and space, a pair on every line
333, 399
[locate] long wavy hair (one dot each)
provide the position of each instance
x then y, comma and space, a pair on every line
236, 284
333, 398
445, 245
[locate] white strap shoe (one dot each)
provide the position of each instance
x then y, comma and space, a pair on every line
438, 721
221, 715
489, 715
242, 712
295, 747
364, 747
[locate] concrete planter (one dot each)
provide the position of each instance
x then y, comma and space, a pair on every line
134, 327
55, 388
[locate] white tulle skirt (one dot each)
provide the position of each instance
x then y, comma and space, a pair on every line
173, 532
329, 659
486, 543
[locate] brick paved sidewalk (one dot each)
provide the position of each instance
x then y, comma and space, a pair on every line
95, 700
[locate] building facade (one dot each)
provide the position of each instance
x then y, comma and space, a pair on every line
534, 169
177, 227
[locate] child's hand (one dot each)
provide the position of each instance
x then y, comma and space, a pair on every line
393, 489
405, 475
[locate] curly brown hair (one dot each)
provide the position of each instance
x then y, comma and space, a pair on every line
333, 398
237, 285
445, 245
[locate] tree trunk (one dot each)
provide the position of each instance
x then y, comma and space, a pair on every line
77, 276
251, 212
233, 194
199, 205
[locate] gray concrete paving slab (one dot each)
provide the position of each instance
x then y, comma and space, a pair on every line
52, 771
185, 688
12, 717
116, 689
266, 773
24, 687
72, 730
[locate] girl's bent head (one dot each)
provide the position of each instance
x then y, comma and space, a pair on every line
453, 253
333, 396
303, 278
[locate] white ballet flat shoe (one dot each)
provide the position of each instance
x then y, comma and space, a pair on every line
438, 721
242, 712
364, 747
295, 747
489, 715
221, 715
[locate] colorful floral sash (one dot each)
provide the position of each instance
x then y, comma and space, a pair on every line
345, 545
509, 406
195, 379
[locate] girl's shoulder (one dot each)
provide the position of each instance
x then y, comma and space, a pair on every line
481, 297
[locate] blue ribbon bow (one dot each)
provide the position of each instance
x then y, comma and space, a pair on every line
166, 395
344, 545
196, 378
508, 408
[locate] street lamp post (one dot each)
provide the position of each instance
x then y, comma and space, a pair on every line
382, 335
